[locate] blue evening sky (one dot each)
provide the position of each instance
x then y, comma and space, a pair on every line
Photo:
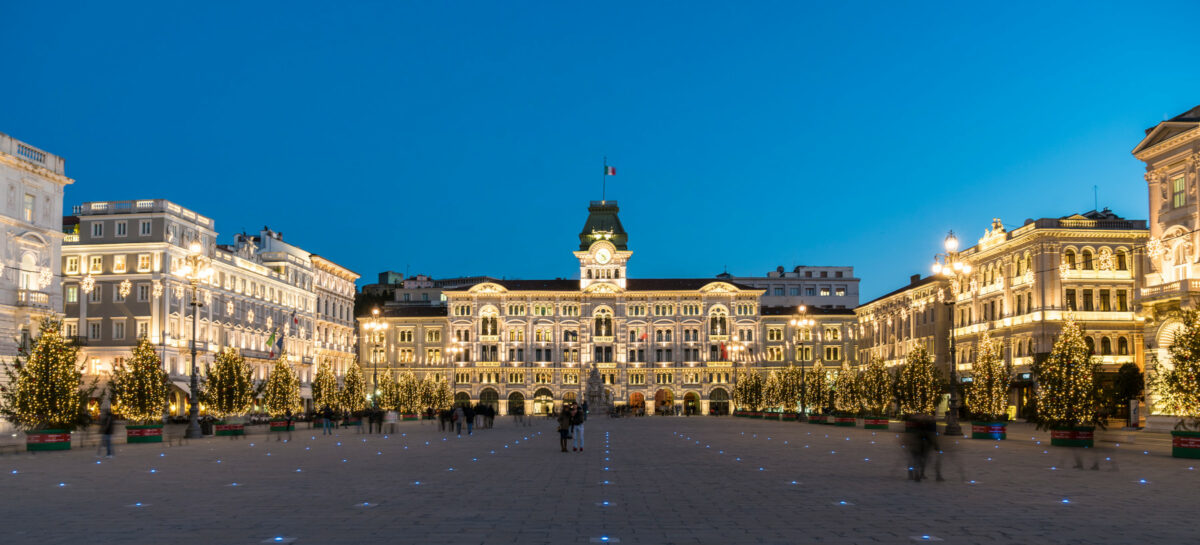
464, 138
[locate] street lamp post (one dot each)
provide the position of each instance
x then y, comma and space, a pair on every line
950, 265
799, 323
196, 268
375, 327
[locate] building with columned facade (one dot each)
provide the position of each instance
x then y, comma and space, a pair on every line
32, 237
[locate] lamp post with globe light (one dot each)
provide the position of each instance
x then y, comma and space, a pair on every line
196, 269
376, 328
950, 265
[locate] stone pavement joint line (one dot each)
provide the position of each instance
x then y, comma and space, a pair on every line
668, 480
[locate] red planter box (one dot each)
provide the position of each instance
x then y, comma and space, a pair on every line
152, 433
47, 440
230, 429
989, 430
282, 425
875, 423
845, 421
1185, 444
409, 417
1080, 436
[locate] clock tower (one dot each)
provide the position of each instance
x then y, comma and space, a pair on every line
602, 253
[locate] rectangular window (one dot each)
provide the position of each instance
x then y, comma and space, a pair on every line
96, 264
97, 229
72, 294
94, 296
1087, 300
118, 263
1070, 302
433, 335
1122, 302
94, 330
121, 229
143, 293
824, 292
810, 291
29, 208
119, 330
143, 329
778, 291
840, 292
833, 353
774, 334
1105, 304
1179, 192
794, 290
143, 262
144, 228
72, 265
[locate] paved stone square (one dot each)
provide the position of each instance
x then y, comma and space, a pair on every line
669, 480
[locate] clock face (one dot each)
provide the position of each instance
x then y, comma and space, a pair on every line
602, 256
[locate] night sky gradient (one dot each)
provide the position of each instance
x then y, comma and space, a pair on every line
464, 138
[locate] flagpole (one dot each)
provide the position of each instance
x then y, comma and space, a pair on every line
604, 180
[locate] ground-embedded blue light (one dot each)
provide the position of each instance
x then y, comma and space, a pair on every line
603, 538
843, 502
152, 470
60, 485
278, 538
605, 482
794, 482
14, 472
340, 443
162, 454
1142, 481
605, 503
416, 482
138, 504
474, 459
233, 484
1065, 500
97, 462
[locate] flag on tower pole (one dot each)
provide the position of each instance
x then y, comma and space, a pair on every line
610, 171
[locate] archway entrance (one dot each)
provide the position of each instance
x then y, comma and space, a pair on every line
718, 401
543, 401
637, 401
569, 397
691, 403
462, 398
516, 403
664, 402
490, 398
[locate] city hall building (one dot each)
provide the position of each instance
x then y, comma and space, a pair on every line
656, 343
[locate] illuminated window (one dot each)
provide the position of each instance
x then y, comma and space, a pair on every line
1178, 192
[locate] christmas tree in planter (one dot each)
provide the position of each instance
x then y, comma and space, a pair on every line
790, 381
1178, 388
1066, 390
388, 396
353, 395
325, 388
440, 396
408, 390
45, 395
919, 386
772, 394
817, 391
281, 394
987, 398
138, 390
228, 390
875, 393
748, 392
845, 396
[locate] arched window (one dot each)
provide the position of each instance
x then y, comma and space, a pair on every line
1122, 261
1069, 258
718, 322
1087, 260
1091, 344
1122, 346
602, 323
1029, 347
1105, 346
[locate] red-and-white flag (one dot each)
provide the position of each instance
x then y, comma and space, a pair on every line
610, 171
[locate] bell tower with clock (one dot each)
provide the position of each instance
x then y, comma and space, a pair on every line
602, 253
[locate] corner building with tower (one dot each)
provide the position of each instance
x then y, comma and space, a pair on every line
658, 344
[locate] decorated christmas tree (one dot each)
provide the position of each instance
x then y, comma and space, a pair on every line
282, 391
442, 398
1066, 382
748, 392
772, 391
46, 390
817, 388
790, 381
388, 392
228, 385
325, 387
138, 388
919, 386
408, 390
845, 391
875, 388
353, 394
987, 398
1177, 387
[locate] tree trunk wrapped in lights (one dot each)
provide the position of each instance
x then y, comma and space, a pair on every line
748, 392
987, 397
353, 395
138, 390
1066, 389
325, 387
45, 391
919, 386
282, 391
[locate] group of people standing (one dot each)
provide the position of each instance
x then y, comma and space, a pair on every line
455, 418
570, 426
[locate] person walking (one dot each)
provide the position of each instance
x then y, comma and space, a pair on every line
327, 417
457, 417
107, 422
469, 413
564, 426
578, 417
